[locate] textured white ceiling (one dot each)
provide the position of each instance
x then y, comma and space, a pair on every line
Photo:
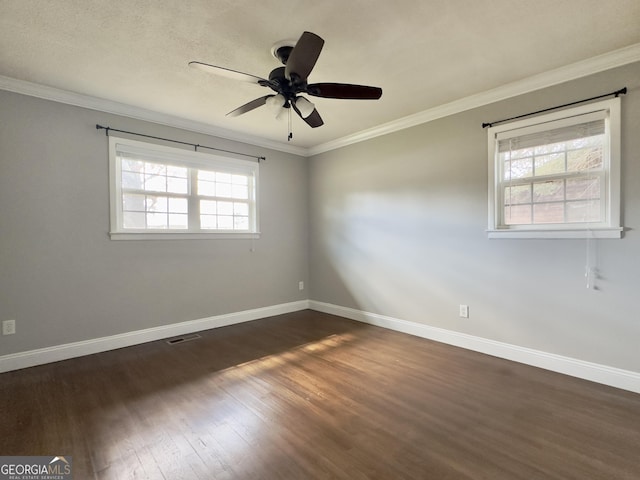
423, 53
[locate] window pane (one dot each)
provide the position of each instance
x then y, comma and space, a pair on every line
177, 185
155, 169
549, 164
208, 207
522, 168
223, 189
133, 220
548, 191
178, 205
225, 208
157, 220
208, 222
240, 180
223, 177
521, 153
178, 220
241, 223
225, 222
583, 188
584, 159
180, 172
240, 191
156, 204
548, 213
517, 194
241, 209
133, 202
155, 183
132, 165
206, 175
517, 215
132, 180
584, 211
206, 188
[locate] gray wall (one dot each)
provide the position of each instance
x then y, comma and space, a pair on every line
395, 226
398, 229
64, 280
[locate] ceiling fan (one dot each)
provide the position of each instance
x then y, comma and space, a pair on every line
290, 81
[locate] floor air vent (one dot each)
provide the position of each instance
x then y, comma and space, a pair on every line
186, 338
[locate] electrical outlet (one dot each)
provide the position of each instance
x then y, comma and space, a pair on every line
8, 327
301, 285
464, 311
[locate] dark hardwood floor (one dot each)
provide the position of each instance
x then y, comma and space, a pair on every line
313, 396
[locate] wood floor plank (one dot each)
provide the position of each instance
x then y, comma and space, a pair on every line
313, 396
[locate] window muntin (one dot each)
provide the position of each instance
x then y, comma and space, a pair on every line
159, 191
556, 173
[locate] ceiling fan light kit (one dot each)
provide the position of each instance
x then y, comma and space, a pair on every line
290, 81
275, 102
305, 106
278, 106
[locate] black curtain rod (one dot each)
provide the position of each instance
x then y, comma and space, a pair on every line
194, 145
622, 91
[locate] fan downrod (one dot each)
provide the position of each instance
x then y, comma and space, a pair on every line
283, 53
282, 49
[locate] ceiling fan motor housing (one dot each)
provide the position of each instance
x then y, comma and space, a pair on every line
288, 88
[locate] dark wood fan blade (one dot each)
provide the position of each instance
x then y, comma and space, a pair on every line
247, 107
344, 91
227, 72
314, 120
304, 55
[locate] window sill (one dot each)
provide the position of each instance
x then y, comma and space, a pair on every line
616, 232
182, 236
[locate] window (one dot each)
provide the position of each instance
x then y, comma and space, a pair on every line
557, 175
163, 192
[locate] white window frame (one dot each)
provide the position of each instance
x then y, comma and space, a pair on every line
179, 157
611, 226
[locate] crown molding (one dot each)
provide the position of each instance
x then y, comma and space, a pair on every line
108, 106
600, 63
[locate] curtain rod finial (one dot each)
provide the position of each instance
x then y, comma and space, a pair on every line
100, 127
622, 91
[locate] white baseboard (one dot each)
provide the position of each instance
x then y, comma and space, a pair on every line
56, 353
614, 377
